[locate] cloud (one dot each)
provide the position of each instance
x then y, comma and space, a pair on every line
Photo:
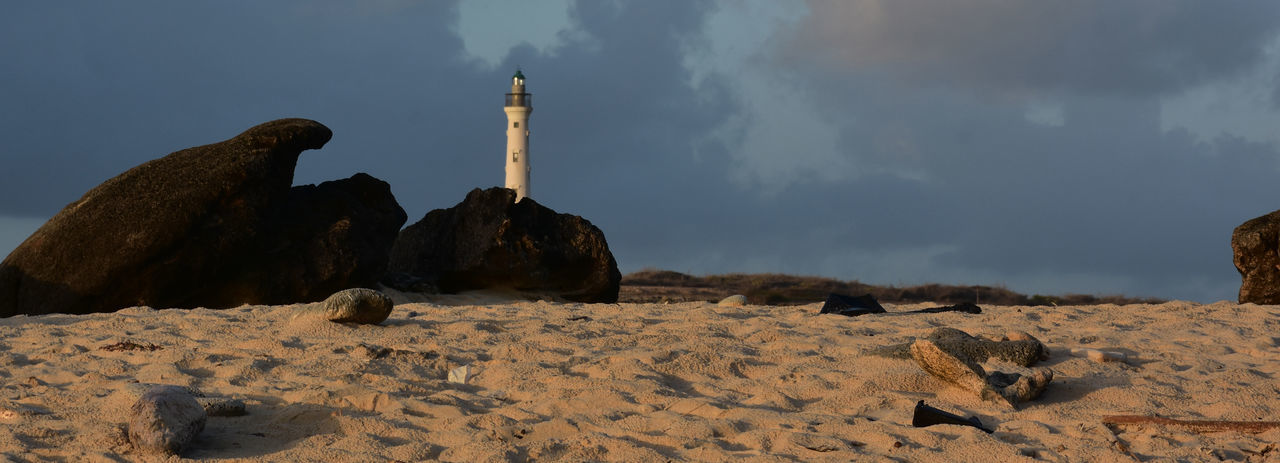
1135, 48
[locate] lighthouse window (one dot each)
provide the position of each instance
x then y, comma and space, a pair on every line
515, 156
517, 124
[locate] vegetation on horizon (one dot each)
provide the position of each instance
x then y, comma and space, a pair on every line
651, 285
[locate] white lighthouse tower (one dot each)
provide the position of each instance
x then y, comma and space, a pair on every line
519, 105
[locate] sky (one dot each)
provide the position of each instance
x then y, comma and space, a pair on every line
1093, 146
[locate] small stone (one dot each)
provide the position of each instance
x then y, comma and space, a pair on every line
165, 419
1100, 356
736, 300
221, 406
357, 305
460, 375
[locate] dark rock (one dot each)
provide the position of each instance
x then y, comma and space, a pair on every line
212, 226
1255, 246
851, 306
165, 419
328, 238
490, 241
357, 305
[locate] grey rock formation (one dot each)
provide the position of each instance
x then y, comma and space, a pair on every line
490, 241
164, 420
212, 226
357, 305
1255, 248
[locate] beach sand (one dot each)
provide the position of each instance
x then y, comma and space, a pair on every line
633, 382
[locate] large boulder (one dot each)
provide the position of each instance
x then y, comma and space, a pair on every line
329, 237
490, 241
1256, 248
212, 226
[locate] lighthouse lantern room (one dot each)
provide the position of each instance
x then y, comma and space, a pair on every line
519, 105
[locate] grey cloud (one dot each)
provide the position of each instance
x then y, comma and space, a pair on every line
1107, 195
1139, 47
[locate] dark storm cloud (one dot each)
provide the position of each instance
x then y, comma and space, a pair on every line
1139, 47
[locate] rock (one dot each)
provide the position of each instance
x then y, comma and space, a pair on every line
736, 300
1024, 336
212, 226
221, 406
164, 420
1025, 351
955, 369
1255, 246
329, 237
1100, 356
1016, 388
1005, 388
357, 305
489, 241
460, 375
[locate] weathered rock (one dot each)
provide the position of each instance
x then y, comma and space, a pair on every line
736, 300
357, 305
489, 241
213, 226
221, 406
954, 367
1016, 388
1255, 246
1024, 351
958, 370
164, 420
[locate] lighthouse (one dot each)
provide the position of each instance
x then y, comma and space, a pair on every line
519, 105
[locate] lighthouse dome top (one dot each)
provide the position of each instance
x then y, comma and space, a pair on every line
518, 75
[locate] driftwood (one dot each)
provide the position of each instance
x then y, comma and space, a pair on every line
1251, 427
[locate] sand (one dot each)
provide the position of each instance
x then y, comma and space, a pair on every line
633, 382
